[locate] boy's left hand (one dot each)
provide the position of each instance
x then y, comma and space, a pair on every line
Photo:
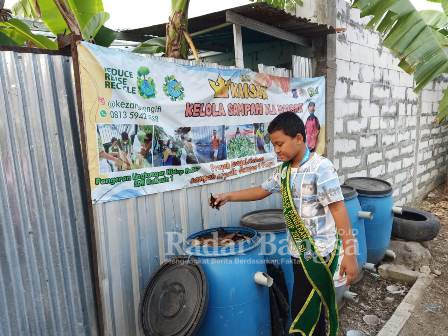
349, 266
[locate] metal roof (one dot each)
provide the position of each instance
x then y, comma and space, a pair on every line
222, 39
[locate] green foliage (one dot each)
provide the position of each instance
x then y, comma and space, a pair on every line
153, 46
25, 8
89, 16
289, 5
92, 27
6, 40
418, 39
19, 32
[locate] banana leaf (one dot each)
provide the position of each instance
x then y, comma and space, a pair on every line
444, 4
105, 36
53, 19
153, 46
435, 19
26, 9
5, 40
19, 32
93, 26
89, 15
289, 5
84, 10
415, 38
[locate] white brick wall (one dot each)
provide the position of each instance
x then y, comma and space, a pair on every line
340, 91
407, 162
378, 116
377, 171
368, 141
369, 110
374, 157
344, 145
366, 73
411, 95
407, 149
338, 125
360, 90
380, 92
406, 80
374, 123
402, 109
392, 153
361, 54
355, 126
400, 177
361, 173
345, 108
403, 136
350, 161
393, 166
387, 123
354, 71
399, 92
388, 139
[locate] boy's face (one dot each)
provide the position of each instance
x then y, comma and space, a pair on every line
286, 147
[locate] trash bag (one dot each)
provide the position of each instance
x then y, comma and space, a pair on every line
278, 299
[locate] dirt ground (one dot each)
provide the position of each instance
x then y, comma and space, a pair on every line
371, 300
431, 315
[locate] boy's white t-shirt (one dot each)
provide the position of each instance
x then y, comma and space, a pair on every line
314, 185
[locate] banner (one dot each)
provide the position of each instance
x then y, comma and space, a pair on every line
153, 125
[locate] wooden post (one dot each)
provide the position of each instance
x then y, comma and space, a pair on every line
238, 46
72, 42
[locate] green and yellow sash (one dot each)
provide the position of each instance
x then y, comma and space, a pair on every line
318, 272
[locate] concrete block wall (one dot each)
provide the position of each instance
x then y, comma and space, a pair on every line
381, 127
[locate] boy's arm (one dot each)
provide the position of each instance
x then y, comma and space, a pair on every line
245, 195
349, 263
271, 185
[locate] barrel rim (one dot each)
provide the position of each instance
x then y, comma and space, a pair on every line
362, 191
350, 195
223, 251
263, 228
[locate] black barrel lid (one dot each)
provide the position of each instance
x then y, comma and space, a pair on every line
348, 192
264, 220
369, 185
175, 299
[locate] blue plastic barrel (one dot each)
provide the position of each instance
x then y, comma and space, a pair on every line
270, 223
375, 195
353, 207
237, 305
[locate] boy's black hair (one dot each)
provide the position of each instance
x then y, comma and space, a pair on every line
311, 103
288, 122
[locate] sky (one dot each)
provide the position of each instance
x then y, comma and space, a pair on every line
130, 14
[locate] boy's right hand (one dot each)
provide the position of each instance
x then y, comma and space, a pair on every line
219, 200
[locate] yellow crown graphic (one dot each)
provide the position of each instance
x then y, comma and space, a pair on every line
220, 87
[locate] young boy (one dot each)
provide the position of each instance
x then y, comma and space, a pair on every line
315, 214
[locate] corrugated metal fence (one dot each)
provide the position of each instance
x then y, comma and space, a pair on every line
45, 278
